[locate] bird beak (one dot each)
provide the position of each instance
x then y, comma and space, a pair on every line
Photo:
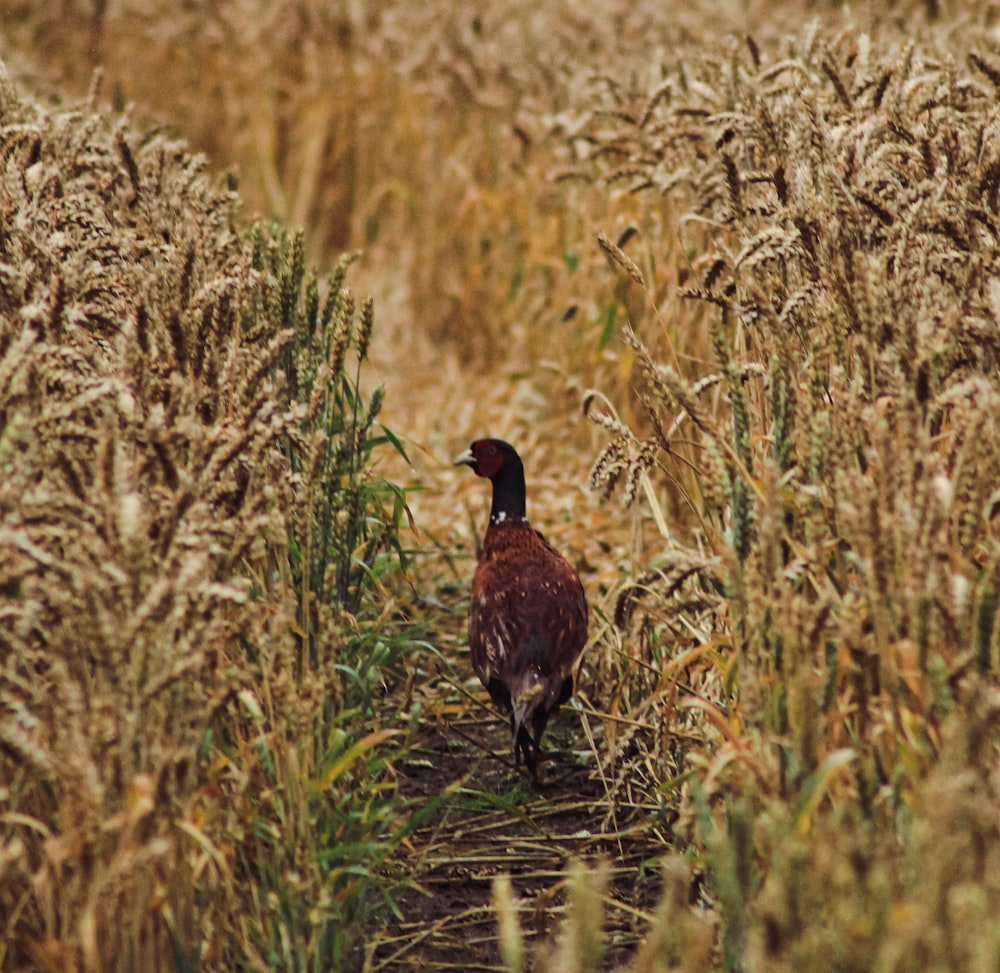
466, 459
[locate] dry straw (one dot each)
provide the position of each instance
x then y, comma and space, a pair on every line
169, 744
798, 692
137, 490
847, 199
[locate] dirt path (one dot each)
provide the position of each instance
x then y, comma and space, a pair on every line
493, 821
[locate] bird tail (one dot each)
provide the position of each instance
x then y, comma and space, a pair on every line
523, 708
528, 695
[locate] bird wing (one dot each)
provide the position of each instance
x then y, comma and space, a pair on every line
493, 628
528, 609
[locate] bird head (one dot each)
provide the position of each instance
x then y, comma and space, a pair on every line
499, 463
488, 457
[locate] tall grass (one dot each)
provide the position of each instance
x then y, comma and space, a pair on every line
433, 136
838, 458
789, 331
193, 770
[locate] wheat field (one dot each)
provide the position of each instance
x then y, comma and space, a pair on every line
729, 278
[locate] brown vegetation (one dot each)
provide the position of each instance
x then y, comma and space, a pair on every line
764, 265
177, 429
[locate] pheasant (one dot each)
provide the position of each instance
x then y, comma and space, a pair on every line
528, 612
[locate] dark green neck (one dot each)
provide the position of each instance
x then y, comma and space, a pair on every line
509, 492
